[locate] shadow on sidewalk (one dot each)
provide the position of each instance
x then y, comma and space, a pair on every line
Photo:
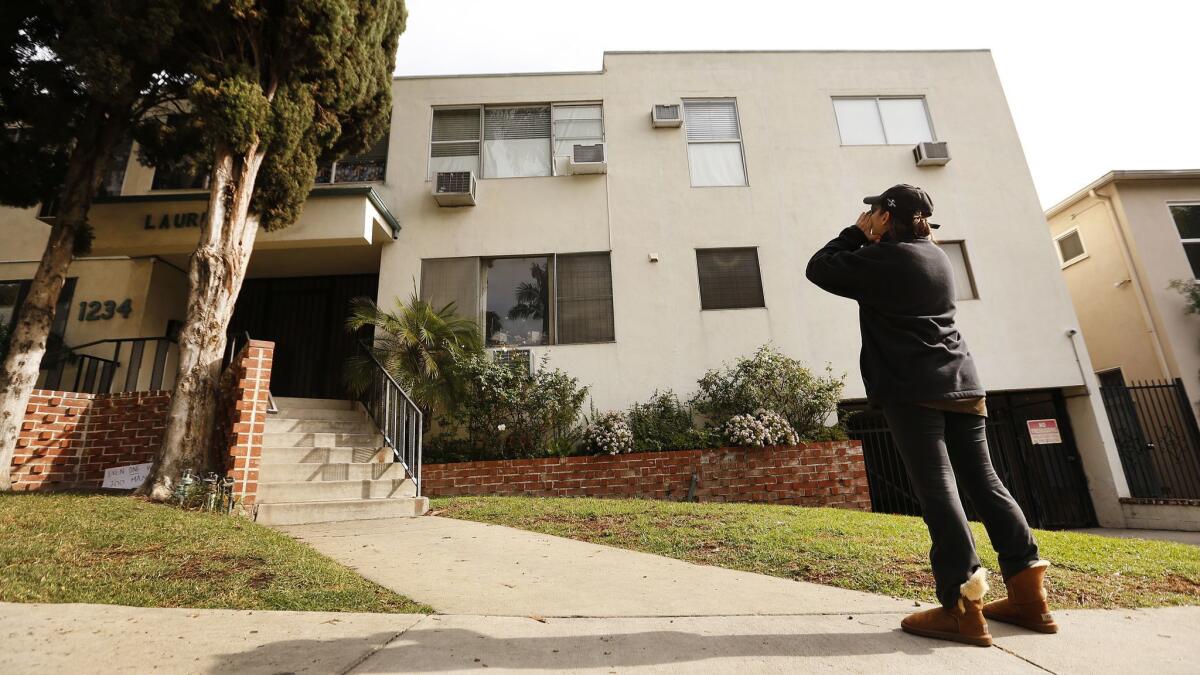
429, 648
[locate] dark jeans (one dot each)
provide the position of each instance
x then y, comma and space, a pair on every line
938, 446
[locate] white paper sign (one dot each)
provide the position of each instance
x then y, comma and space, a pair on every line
1043, 432
126, 477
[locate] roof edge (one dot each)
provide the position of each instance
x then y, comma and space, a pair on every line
1121, 175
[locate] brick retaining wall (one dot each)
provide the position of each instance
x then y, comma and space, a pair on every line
68, 439
811, 474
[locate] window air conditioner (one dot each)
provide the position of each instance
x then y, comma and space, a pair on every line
932, 154
520, 360
666, 115
454, 188
592, 158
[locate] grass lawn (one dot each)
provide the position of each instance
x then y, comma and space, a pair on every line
870, 552
120, 550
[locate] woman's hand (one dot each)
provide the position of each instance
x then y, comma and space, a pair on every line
864, 224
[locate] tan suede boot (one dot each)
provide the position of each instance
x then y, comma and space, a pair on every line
1026, 604
962, 623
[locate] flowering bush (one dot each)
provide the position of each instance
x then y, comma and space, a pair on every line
609, 433
760, 429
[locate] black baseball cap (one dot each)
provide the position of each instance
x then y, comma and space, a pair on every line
903, 199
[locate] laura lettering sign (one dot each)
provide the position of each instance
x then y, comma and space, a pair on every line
177, 221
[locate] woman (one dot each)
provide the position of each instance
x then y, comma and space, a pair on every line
916, 368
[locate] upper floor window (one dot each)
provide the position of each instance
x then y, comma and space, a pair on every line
882, 121
114, 178
729, 278
512, 141
964, 280
1070, 247
368, 166
178, 176
1187, 221
714, 143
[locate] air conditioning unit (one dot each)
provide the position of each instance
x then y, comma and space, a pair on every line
520, 360
592, 158
932, 154
454, 188
666, 115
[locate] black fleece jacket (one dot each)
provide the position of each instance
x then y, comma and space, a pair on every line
911, 350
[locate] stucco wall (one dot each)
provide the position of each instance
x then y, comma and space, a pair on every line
803, 188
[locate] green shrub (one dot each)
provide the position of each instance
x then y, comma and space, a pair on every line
769, 380
664, 423
506, 413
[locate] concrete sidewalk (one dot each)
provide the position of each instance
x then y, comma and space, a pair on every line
108, 639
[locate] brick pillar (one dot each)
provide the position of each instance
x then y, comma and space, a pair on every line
249, 399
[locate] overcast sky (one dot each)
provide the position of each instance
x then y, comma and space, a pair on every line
1092, 86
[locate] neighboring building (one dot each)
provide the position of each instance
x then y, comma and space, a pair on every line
682, 245
1121, 241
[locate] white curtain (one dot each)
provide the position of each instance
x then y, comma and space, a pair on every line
461, 163
716, 164
576, 125
516, 141
905, 121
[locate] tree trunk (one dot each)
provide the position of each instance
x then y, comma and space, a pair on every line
100, 131
218, 266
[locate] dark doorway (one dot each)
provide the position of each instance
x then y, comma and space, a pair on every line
1046, 479
305, 317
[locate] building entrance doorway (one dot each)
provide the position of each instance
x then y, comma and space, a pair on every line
306, 319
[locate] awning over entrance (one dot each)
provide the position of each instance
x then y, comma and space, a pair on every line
163, 224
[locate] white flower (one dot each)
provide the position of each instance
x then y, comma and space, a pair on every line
501, 427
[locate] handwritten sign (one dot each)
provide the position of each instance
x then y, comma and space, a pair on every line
126, 477
1043, 432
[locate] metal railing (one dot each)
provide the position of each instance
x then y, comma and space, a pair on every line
88, 368
396, 415
1157, 437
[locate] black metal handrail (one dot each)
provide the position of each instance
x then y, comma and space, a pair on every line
396, 416
95, 374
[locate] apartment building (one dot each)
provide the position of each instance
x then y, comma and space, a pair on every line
1125, 243
640, 224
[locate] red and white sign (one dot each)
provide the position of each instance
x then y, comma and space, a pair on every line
1043, 432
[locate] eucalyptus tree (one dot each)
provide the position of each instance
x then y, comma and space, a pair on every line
277, 85
74, 78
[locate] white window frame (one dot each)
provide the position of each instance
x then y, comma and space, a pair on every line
837, 122
482, 107
737, 110
962, 245
1182, 241
1064, 264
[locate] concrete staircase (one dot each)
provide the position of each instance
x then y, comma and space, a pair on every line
323, 460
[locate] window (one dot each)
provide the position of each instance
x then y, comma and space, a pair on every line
178, 176
10, 300
1113, 377
527, 300
882, 121
585, 298
517, 313
114, 178
964, 282
1070, 247
368, 166
575, 125
1187, 221
454, 145
12, 294
516, 141
729, 278
714, 143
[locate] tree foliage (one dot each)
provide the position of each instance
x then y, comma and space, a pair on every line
418, 344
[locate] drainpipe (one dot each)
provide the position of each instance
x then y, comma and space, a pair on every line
1143, 305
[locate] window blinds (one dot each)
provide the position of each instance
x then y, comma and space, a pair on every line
455, 140
714, 143
585, 298
446, 280
729, 278
516, 141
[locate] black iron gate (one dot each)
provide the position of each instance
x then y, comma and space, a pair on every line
1046, 479
1157, 437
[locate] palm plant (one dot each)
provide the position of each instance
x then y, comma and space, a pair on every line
417, 344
